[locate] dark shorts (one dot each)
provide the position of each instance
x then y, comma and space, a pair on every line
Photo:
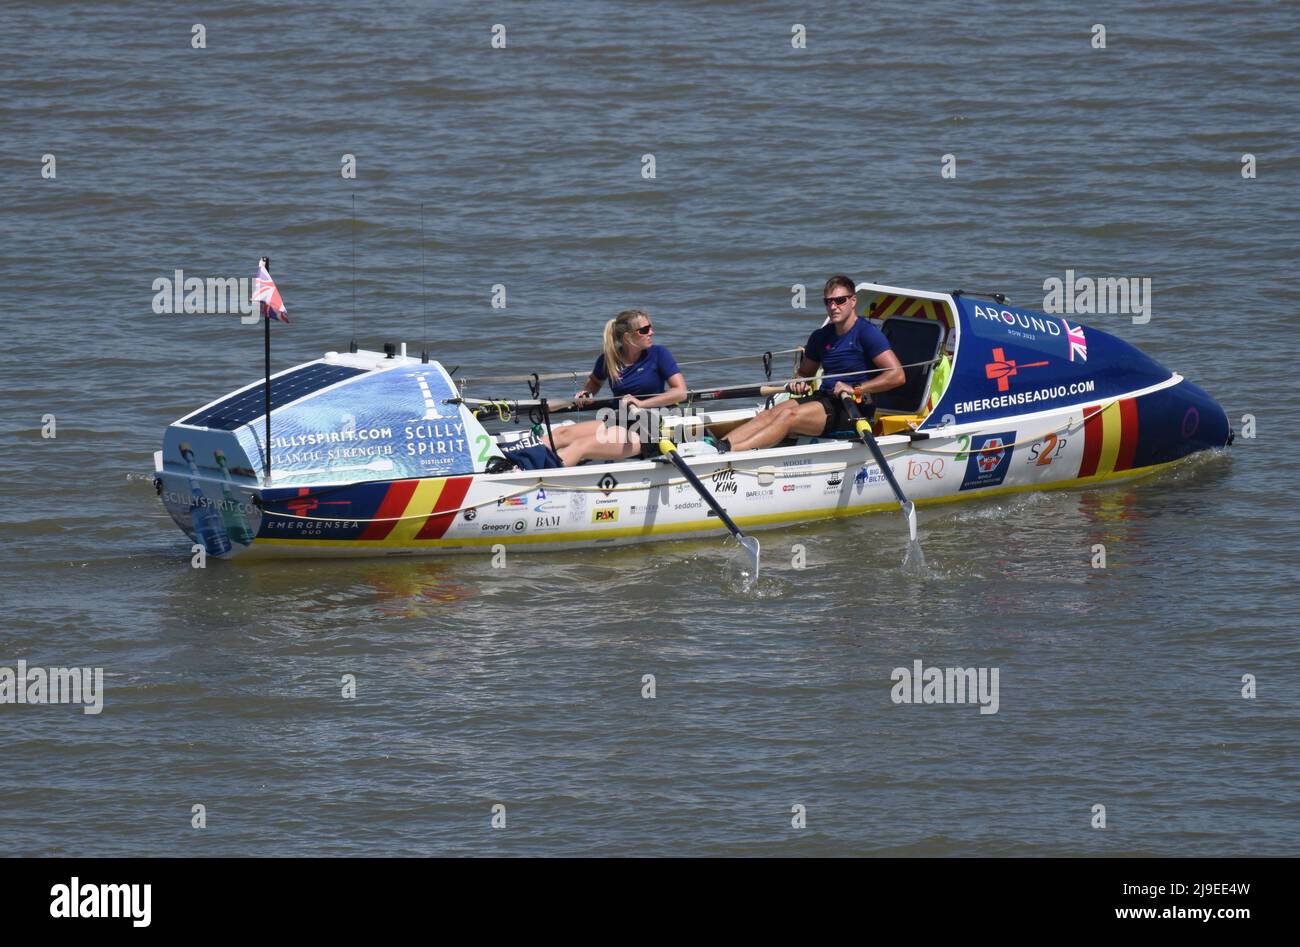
645, 425
838, 420
537, 457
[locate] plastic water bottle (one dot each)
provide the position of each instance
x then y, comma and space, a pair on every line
207, 525
232, 511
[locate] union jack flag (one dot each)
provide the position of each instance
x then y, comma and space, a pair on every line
265, 292
1078, 344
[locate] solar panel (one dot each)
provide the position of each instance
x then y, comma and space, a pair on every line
239, 409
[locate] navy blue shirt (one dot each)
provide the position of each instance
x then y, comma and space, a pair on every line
648, 375
853, 351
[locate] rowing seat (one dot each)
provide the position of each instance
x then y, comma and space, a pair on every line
913, 340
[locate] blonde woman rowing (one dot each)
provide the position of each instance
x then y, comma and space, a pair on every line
642, 374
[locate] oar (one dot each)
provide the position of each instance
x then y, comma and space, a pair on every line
561, 405
748, 543
567, 405
863, 427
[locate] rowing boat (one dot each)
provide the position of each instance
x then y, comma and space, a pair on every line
383, 454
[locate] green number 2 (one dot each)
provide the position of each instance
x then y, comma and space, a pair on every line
963, 440
485, 443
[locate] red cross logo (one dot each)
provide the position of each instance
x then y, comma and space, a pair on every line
990, 455
1003, 368
304, 506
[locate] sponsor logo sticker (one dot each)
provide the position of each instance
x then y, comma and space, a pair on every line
605, 516
1002, 369
543, 504
724, 481
1042, 453
929, 469
989, 460
868, 474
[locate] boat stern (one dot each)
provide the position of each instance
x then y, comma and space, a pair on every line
209, 488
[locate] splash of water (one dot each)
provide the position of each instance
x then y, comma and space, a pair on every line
741, 575
739, 582
743, 564
914, 560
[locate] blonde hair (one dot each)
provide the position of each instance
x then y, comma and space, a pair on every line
612, 341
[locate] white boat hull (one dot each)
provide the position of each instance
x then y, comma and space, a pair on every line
649, 500
376, 455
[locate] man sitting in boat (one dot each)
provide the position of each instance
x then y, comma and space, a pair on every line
849, 349
643, 374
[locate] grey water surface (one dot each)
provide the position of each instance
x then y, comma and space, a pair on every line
1119, 687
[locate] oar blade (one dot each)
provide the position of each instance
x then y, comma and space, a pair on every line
750, 545
909, 513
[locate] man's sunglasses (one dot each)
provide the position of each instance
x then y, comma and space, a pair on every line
836, 300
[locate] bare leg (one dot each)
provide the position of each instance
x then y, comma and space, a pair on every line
566, 435
614, 443
760, 422
774, 426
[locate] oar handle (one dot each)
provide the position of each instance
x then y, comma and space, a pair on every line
863, 427
860, 424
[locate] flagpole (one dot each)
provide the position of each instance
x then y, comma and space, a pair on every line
266, 327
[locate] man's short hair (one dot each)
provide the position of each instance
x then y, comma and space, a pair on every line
839, 280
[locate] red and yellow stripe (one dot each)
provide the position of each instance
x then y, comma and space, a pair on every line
1110, 437
399, 512
445, 507
393, 505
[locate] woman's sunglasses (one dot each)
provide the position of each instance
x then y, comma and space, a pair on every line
645, 329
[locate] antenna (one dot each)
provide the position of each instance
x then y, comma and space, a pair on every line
424, 300
998, 298
353, 346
